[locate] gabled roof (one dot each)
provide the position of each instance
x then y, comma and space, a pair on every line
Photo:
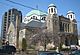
37, 12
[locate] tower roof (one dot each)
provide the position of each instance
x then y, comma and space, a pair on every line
52, 5
70, 12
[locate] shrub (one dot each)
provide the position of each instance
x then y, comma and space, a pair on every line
24, 45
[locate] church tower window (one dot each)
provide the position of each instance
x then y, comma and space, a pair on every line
52, 10
68, 16
49, 10
71, 16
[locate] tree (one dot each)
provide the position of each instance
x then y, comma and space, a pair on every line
43, 37
24, 45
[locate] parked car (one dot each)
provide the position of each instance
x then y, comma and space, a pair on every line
48, 53
8, 49
76, 52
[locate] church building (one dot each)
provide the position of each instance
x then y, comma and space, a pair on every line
63, 29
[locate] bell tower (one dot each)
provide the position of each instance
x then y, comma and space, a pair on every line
73, 26
52, 23
52, 20
71, 15
52, 9
73, 22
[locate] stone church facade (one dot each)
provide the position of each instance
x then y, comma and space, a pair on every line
63, 29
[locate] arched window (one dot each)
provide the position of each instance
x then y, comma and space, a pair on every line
31, 17
71, 16
49, 10
34, 17
52, 10
68, 16
43, 18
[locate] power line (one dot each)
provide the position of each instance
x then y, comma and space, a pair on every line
24, 5
21, 4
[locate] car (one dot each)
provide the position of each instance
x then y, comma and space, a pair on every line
48, 53
76, 52
8, 49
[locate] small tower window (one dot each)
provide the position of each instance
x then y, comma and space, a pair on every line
49, 10
71, 16
52, 10
68, 16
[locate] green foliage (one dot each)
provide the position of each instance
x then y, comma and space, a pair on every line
24, 45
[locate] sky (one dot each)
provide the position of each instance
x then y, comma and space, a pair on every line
63, 7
